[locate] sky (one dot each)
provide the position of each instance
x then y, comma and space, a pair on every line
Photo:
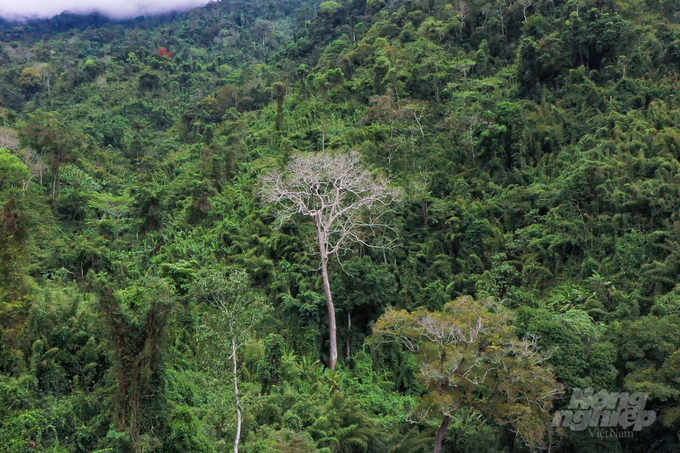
118, 9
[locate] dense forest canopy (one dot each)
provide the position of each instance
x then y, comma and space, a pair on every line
150, 300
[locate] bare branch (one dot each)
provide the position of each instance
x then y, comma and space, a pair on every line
345, 200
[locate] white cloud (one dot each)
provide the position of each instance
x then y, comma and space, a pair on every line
119, 9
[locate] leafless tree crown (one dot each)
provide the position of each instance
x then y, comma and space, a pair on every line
9, 138
344, 199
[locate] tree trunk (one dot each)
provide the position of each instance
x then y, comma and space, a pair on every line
425, 214
55, 181
440, 435
239, 417
349, 335
333, 358
279, 94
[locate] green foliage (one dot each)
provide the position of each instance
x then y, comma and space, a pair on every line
577, 348
14, 172
536, 146
136, 318
470, 360
184, 434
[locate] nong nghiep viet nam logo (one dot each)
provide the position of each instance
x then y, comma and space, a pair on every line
588, 409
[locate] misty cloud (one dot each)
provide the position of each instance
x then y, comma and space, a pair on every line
117, 9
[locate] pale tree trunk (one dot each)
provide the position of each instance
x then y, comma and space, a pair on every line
440, 435
349, 335
239, 417
329, 301
55, 183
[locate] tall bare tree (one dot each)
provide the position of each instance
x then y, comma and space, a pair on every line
345, 200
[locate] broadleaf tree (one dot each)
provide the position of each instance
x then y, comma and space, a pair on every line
471, 360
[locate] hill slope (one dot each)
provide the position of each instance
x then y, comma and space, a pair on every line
536, 144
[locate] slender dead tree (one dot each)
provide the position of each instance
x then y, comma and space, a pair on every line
239, 311
345, 200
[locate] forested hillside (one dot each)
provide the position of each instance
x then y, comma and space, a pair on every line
533, 154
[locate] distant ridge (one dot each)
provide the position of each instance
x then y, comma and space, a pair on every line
31, 28
74, 17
